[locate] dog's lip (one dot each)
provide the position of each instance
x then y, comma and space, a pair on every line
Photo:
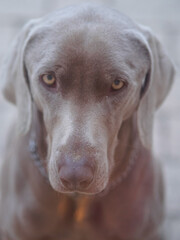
76, 192
73, 192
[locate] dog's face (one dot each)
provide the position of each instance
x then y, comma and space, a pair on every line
86, 83
86, 69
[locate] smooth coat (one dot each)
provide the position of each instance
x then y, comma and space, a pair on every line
84, 123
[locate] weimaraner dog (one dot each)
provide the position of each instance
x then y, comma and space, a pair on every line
79, 166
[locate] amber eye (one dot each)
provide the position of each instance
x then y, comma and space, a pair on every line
49, 79
117, 84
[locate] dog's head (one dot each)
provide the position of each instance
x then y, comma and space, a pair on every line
87, 70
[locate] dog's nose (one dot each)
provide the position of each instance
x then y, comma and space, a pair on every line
76, 177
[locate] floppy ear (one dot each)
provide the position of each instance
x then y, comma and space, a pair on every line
14, 74
156, 85
162, 68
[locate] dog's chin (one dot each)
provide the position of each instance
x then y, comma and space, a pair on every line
94, 190
77, 192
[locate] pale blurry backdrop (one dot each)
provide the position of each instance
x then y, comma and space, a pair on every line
163, 16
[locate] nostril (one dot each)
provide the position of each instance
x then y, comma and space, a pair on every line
66, 184
85, 183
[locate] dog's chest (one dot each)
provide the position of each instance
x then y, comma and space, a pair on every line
95, 219
83, 216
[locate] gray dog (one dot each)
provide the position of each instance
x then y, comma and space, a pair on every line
86, 81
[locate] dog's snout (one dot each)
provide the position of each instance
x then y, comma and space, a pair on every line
76, 177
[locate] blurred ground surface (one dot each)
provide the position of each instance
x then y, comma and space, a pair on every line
164, 18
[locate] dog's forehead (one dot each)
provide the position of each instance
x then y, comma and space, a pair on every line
91, 51
95, 30
85, 44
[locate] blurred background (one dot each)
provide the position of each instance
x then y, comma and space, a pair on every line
163, 16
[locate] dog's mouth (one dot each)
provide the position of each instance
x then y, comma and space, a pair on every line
92, 189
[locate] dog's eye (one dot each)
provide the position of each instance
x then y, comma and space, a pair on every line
49, 79
117, 84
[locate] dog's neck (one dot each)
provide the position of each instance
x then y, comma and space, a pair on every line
37, 143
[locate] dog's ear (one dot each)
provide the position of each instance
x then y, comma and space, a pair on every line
162, 69
156, 84
14, 74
